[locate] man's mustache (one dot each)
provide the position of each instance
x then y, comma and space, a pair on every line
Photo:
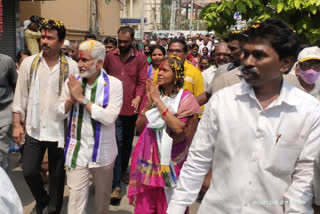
248, 70
45, 45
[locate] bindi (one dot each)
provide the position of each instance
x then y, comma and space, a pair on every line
45, 34
161, 66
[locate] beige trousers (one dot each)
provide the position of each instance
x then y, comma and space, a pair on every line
78, 183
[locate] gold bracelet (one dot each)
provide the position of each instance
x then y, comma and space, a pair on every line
163, 110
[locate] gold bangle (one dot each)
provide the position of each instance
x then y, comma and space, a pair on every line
163, 110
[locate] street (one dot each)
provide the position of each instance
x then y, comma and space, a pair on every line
28, 202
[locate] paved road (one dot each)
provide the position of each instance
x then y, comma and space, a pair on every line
15, 173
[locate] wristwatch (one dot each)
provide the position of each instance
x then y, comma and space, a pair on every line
85, 101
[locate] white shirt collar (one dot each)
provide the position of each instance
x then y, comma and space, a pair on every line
286, 95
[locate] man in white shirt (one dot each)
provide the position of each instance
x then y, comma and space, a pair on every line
307, 70
259, 136
206, 43
92, 102
222, 56
37, 92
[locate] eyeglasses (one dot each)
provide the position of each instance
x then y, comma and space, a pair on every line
175, 50
222, 54
306, 65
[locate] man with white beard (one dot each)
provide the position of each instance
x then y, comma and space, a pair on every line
92, 102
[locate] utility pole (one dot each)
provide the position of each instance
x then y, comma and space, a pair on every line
131, 3
173, 15
179, 15
94, 27
142, 19
191, 17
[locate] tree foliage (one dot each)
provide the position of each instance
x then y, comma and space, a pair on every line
165, 13
302, 15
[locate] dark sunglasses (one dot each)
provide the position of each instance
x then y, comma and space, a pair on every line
306, 65
222, 54
175, 50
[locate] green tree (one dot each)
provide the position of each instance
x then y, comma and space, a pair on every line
165, 14
302, 15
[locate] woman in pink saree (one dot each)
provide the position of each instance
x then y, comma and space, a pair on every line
168, 120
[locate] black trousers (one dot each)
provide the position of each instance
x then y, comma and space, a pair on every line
124, 135
31, 165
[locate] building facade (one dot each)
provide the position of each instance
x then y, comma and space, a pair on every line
149, 9
77, 15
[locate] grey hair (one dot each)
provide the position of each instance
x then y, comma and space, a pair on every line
96, 49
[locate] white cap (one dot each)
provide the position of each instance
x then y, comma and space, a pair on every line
26, 23
153, 43
189, 42
66, 43
309, 53
216, 41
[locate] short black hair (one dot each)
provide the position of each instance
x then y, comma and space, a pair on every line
181, 41
194, 45
127, 29
110, 39
90, 36
161, 48
206, 58
236, 35
54, 24
22, 52
281, 36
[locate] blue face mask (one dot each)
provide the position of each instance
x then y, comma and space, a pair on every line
204, 67
309, 76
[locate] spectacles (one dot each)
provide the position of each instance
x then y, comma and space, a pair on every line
306, 65
222, 54
175, 50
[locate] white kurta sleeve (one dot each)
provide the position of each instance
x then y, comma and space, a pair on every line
65, 94
299, 196
108, 115
9, 199
316, 180
198, 162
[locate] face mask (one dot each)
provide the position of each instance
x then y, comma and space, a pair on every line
203, 67
194, 53
309, 76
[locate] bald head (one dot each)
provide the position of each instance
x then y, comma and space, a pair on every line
222, 54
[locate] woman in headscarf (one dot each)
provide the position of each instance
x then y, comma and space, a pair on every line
168, 121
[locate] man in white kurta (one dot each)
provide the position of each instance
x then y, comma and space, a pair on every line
34, 111
259, 137
78, 93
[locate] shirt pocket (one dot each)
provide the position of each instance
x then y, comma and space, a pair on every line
131, 72
282, 157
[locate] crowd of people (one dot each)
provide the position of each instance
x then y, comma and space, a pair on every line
233, 123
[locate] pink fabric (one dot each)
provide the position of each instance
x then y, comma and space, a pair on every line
158, 205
